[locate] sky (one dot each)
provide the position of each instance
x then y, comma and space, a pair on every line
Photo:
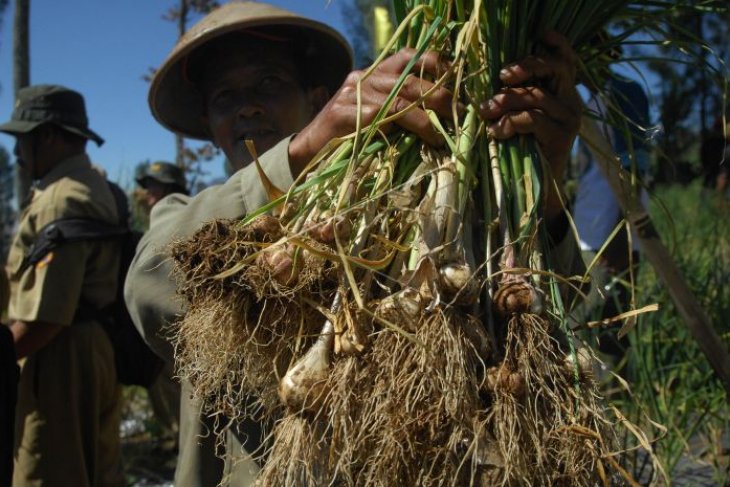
102, 48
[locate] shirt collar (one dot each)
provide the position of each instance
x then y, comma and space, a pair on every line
64, 168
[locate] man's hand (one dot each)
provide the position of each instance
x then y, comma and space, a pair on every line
550, 111
339, 116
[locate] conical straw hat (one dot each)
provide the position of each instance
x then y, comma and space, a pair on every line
177, 103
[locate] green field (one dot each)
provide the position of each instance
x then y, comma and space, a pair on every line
671, 381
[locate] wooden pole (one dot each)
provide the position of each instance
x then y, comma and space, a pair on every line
656, 253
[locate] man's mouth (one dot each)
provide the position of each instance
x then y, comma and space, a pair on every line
254, 134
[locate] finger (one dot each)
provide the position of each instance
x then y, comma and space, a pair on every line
417, 122
554, 139
379, 87
415, 119
430, 62
558, 65
439, 99
559, 73
550, 134
521, 99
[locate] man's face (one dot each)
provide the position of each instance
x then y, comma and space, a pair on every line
24, 154
154, 192
253, 91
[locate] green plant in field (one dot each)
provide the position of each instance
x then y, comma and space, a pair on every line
671, 380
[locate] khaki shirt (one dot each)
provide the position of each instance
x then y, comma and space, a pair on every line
79, 272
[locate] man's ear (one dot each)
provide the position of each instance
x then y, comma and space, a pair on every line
318, 98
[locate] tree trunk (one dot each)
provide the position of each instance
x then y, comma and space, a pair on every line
21, 79
182, 23
180, 151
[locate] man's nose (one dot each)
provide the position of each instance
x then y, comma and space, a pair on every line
250, 106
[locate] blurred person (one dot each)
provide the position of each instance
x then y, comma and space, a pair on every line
9, 373
161, 179
251, 71
68, 409
597, 212
714, 156
723, 179
158, 180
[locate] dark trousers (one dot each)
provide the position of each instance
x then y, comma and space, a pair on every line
9, 373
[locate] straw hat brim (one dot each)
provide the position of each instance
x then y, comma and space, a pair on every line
176, 102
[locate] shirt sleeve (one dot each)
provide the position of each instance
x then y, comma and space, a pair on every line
150, 290
49, 291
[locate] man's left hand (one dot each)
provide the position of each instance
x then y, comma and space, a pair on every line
540, 98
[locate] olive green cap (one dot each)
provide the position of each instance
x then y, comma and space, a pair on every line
162, 172
175, 100
40, 104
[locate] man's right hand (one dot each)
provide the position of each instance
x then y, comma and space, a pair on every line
339, 117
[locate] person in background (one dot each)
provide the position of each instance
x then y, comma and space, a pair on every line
158, 180
68, 410
596, 211
715, 158
9, 373
723, 179
251, 71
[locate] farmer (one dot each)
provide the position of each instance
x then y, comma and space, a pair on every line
68, 411
161, 179
250, 71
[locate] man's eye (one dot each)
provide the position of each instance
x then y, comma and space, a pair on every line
270, 84
221, 98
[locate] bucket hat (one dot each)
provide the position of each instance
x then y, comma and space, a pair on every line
55, 104
162, 172
175, 100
